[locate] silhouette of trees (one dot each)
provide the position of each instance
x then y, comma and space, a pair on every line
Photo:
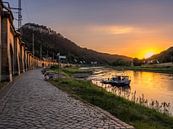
163, 57
53, 42
137, 62
120, 62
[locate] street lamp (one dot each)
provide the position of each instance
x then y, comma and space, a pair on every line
58, 56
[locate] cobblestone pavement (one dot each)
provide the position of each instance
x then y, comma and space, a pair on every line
32, 103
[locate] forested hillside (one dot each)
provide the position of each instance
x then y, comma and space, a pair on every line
164, 56
52, 42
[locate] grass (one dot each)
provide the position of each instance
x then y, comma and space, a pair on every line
137, 115
69, 71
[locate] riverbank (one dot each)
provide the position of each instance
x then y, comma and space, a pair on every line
137, 115
168, 70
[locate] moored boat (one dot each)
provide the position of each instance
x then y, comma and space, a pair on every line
118, 80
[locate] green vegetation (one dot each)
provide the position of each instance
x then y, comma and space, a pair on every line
137, 115
120, 62
69, 71
74, 70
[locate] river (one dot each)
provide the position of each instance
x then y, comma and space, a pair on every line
152, 86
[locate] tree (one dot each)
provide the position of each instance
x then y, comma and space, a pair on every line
137, 62
121, 62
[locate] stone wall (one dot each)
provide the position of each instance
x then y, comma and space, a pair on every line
14, 56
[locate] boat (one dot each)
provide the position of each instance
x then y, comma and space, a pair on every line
118, 80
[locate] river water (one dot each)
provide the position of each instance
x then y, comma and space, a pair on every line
152, 86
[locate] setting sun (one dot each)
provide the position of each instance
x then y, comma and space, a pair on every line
149, 54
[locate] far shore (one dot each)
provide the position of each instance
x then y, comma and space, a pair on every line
147, 68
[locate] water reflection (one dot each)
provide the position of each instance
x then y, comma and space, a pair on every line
155, 88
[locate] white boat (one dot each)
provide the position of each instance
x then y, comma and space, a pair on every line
118, 80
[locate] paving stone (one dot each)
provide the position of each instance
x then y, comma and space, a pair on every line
34, 103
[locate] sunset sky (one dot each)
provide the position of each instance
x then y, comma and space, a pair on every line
136, 28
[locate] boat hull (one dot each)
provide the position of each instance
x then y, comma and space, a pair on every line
114, 83
119, 84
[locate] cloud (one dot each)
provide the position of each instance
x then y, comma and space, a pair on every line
134, 31
113, 30
120, 30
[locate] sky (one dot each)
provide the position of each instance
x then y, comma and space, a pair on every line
134, 28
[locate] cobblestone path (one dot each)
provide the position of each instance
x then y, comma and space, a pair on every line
32, 103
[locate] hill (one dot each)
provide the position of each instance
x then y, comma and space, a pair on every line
164, 56
50, 42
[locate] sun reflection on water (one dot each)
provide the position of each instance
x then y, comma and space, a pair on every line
151, 86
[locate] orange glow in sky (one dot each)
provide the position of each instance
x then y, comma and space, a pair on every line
137, 42
136, 28
148, 52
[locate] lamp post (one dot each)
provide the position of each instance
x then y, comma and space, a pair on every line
58, 56
33, 51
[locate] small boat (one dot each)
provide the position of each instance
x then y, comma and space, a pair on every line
118, 80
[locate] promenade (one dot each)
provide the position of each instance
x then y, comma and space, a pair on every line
32, 103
